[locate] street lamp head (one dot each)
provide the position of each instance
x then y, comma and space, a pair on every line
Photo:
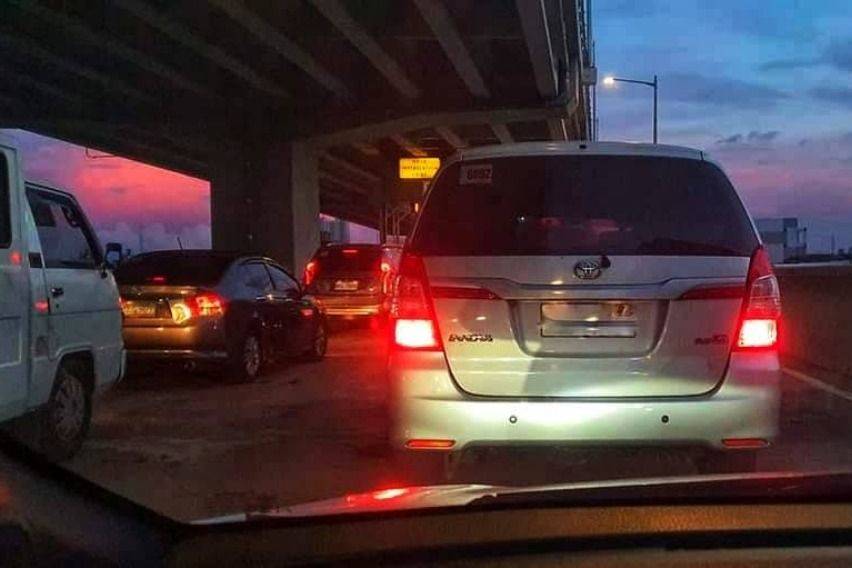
609, 81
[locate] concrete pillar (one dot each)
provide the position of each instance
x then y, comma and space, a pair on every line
304, 179
265, 199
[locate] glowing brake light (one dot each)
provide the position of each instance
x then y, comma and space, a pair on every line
411, 308
157, 280
762, 306
203, 304
207, 304
311, 270
758, 333
415, 333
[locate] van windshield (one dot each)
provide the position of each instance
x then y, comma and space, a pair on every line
619, 205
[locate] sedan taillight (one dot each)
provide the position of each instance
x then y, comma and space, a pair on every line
203, 304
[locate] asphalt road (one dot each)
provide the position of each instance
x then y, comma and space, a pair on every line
195, 445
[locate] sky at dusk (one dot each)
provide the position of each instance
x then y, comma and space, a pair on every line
764, 86
126, 201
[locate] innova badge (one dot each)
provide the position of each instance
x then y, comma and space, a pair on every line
587, 269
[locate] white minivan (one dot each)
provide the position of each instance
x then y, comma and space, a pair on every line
595, 294
60, 318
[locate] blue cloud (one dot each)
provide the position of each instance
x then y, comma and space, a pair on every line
719, 91
841, 96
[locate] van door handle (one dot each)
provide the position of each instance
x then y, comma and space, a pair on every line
56, 292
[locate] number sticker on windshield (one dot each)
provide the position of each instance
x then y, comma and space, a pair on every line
479, 174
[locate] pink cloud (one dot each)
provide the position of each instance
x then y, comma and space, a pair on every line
115, 190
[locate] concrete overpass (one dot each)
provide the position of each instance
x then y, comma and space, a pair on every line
295, 107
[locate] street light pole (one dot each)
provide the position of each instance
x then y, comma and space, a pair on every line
655, 109
609, 81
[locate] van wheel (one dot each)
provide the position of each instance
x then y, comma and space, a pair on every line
734, 461
246, 360
65, 420
319, 344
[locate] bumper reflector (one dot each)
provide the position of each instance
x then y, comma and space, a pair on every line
430, 444
745, 443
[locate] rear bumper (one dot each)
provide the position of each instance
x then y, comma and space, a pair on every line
350, 306
428, 405
175, 355
204, 334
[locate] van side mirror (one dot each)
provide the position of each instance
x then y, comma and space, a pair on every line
113, 255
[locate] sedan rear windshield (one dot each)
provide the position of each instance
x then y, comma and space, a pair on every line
354, 259
173, 269
619, 205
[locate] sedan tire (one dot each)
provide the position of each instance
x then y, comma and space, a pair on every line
246, 359
319, 343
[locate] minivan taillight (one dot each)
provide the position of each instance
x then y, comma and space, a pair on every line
762, 305
414, 324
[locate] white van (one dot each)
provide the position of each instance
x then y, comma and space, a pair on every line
60, 319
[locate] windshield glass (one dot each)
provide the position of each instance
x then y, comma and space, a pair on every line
349, 259
360, 248
178, 269
584, 205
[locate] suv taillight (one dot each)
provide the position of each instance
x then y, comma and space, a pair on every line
310, 273
762, 305
414, 324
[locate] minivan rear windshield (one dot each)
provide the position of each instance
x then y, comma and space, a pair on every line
172, 270
619, 205
349, 259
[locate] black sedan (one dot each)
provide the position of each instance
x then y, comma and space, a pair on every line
201, 305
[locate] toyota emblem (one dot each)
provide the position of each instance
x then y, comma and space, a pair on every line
587, 269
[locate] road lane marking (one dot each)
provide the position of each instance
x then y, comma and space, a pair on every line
816, 383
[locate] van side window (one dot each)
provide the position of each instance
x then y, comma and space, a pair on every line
5, 207
66, 241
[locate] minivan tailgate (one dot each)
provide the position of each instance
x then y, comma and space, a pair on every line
550, 334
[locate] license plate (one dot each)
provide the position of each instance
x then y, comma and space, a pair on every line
134, 310
346, 285
589, 311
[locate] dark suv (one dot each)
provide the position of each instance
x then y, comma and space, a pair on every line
350, 280
214, 306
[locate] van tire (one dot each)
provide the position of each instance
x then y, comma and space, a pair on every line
246, 359
65, 420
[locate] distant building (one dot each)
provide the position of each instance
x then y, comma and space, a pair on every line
783, 238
